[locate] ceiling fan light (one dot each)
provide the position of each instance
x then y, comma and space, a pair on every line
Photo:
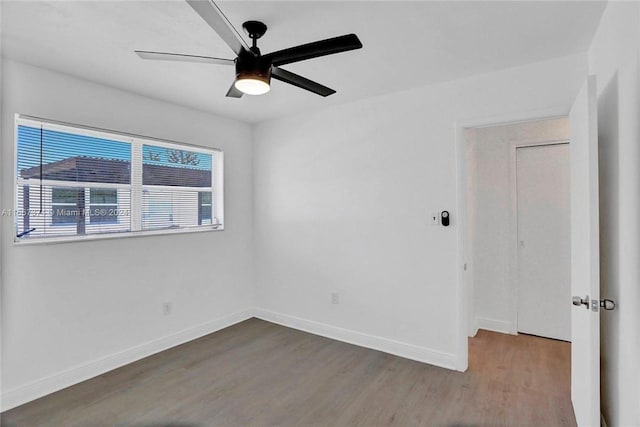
252, 84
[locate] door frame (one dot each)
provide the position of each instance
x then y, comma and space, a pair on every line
466, 311
513, 219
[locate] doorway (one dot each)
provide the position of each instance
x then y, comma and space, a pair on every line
582, 131
518, 262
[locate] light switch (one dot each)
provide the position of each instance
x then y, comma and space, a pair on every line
435, 218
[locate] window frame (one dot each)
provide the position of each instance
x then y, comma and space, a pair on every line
136, 187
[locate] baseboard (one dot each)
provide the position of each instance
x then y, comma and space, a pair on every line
58, 381
409, 351
474, 328
495, 325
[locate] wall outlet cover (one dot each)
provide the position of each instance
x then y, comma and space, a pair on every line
434, 218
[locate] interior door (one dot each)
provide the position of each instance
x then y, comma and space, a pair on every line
544, 240
585, 258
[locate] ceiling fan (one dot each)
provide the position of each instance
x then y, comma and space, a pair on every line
253, 69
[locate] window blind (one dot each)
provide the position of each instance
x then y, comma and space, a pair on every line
175, 182
76, 182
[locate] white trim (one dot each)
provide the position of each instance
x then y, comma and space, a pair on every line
465, 306
398, 348
495, 325
473, 327
41, 387
522, 117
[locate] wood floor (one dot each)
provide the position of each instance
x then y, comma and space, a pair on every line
260, 374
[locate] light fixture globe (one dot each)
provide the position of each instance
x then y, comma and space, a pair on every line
253, 75
252, 84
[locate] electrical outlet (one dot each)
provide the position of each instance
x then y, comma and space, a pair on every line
166, 308
335, 298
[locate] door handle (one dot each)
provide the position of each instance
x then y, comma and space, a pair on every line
577, 301
608, 304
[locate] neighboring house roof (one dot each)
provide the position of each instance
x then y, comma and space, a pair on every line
82, 169
93, 169
172, 176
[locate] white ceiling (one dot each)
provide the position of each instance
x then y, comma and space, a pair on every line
406, 45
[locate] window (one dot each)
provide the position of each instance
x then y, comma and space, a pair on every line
103, 206
64, 204
172, 180
75, 183
204, 204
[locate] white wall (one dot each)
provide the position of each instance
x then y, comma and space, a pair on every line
614, 57
72, 310
342, 198
1, 233
490, 220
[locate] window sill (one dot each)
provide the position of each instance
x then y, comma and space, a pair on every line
121, 235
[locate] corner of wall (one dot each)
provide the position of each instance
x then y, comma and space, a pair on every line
57, 381
1, 236
402, 349
255, 296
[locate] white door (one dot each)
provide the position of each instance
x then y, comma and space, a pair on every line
585, 258
544, 240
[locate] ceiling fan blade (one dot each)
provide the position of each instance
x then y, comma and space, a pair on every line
314, 50
212, 15
233, 92
166, 56
301, 82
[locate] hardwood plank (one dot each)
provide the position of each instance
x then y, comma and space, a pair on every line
258, 373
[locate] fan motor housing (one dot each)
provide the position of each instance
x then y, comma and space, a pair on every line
252, 64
